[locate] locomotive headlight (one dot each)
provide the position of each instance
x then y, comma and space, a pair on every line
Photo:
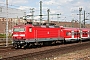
15, 35
22, 34
21, 42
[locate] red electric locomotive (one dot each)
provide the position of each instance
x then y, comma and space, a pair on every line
27, 35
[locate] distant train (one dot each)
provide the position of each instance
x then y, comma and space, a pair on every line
29, 35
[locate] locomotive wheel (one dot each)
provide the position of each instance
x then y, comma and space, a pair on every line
15, 46
64, 41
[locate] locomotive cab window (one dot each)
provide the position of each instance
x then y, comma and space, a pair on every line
19, 30
30, 29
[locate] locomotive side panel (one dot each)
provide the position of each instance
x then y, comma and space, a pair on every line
48, 34
54, 32
30, 32
42, 33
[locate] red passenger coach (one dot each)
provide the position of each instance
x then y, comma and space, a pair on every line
89, 33
71, 34
85, 33
27, 35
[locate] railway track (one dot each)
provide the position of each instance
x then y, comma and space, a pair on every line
44, 52
3, 42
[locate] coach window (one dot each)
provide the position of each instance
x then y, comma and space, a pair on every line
68, 33
75, 33
89, 33
30, 29
86, 33
78, 33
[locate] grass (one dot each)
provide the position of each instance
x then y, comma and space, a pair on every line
4, 36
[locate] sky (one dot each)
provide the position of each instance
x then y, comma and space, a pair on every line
69, 9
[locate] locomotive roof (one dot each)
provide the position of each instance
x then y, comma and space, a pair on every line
23, 25
43, 26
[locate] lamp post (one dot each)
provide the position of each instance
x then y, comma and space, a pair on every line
32, 12
58, 17
85, 18
80, 9
48, 16
6, 23
40, 12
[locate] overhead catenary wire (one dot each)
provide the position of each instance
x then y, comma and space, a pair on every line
10, 5
11, 12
